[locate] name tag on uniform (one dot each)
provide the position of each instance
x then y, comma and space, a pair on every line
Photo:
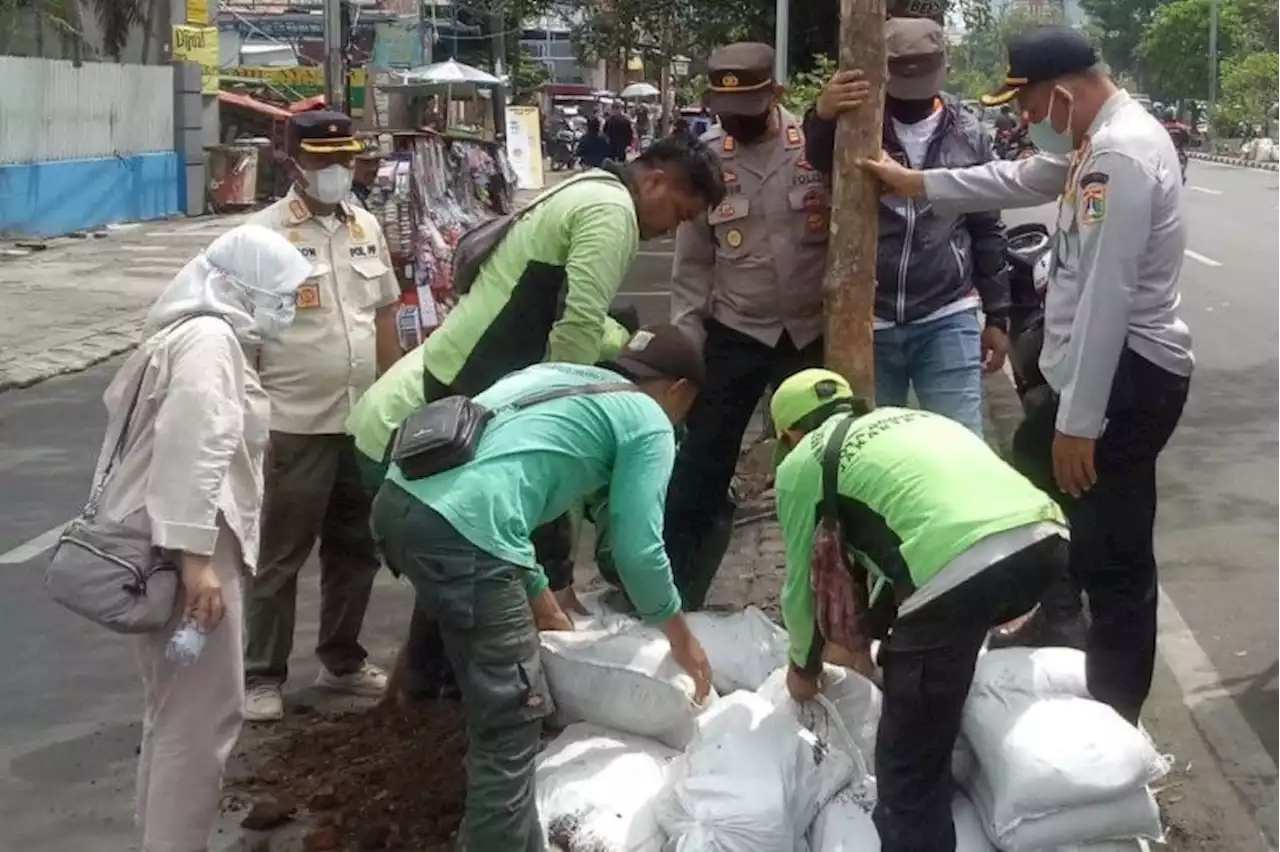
360, 252
308, 296
309, 252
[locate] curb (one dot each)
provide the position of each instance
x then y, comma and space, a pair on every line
76, 357
1234, 161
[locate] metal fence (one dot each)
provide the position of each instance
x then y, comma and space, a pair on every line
52, 110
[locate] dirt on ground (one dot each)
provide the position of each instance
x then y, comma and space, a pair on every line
389, 778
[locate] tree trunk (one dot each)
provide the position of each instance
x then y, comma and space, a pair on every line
850, 283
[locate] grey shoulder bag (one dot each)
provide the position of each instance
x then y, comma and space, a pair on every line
108, 571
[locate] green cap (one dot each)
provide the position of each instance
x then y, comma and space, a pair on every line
800, 396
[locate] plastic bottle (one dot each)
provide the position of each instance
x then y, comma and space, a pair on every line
186, 643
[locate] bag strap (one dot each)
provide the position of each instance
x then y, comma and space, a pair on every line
831, 469
575, 390
520, 214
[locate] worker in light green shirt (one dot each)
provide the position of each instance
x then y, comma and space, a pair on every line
932, 524
462, 538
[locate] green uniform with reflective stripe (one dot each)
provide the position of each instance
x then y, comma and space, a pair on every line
916, 490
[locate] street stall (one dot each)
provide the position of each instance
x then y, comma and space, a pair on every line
444, 172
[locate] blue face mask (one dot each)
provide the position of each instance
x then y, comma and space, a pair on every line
1045, 137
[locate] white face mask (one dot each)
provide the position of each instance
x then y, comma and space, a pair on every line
329, 185
272, 314
1045, 137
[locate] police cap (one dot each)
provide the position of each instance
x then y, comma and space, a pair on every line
1042, 54
324, 132
740, 79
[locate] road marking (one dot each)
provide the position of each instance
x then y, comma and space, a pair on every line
30, 550
1206, 190
1245, 762
1197, 256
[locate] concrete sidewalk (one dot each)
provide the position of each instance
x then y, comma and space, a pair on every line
80, 301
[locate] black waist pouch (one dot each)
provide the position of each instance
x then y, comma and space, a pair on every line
439, 436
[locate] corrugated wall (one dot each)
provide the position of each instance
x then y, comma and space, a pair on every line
50, 110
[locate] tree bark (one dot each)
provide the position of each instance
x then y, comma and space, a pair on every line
850, 283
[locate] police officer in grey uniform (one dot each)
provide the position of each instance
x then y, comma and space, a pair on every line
747, 285
1117, 356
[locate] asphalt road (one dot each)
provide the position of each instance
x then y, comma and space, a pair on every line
69, 718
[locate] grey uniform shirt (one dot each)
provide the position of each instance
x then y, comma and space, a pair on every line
1117, 252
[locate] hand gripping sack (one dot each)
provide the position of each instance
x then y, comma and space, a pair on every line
109, 571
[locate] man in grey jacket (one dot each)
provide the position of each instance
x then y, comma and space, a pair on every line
1117, 356
934, 269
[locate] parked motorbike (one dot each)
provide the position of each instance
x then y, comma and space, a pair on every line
563, 150
1027, 256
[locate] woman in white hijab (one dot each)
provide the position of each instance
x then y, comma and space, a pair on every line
196, 423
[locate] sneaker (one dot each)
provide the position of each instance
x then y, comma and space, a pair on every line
368, 681
264, 703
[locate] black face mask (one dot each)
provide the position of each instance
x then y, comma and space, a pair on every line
909, 112
746, 128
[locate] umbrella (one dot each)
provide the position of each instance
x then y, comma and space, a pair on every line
451, 72
640, 90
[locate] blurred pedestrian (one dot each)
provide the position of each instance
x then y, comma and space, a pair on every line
462, 537
620, 132
747, 287
194, 417
934, 268
1117, 355
593, 147
345, 333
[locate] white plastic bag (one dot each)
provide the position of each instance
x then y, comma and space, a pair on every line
624, 681
743, 648
855, 700
595, 791
844, 825
1040, 756
752, 779
1032, 671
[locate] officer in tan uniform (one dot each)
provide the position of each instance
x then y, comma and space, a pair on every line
344, 334
747, 284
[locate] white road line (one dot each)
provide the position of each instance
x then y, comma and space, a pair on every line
1206, 190
1245, 762
31, 549
1197, 256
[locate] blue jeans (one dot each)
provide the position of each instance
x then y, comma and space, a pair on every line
941, 360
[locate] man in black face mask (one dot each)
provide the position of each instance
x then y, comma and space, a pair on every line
934, 271
747, 285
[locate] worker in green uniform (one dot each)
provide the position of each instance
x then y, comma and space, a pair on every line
543, 294
936, 529
462, 537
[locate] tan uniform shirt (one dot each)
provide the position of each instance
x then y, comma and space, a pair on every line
323, 362
755, 263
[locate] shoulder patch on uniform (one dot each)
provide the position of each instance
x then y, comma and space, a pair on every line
793, 136
1095, 179
1093, 199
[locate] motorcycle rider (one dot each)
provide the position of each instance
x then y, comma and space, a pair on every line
1181, 136
593, 147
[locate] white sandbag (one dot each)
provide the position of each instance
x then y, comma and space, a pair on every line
743, 648
844, 825
595, 791
1044, 755
625, 681
1128, 816
752, 779
855, 700
1032, 671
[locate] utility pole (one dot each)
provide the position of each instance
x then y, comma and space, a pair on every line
498, 22
335, 66
1213, 53
781, 20
850, 282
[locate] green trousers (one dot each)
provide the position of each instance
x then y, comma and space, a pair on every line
489, 637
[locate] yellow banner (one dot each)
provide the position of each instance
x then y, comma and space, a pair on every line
198, 12
302, 75
199, 46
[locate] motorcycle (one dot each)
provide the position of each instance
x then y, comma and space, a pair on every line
1027, 256
1013, 145
563, 150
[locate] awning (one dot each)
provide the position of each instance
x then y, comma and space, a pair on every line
237, 99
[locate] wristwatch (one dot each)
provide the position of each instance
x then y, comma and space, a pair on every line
1001, 323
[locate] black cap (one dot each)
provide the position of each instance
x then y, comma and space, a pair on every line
740, 79
661, 352
324, 132
1042, 54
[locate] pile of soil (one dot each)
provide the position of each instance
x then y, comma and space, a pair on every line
391, 778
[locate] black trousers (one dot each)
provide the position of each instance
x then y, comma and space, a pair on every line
928, 663
739, 370
1112, 525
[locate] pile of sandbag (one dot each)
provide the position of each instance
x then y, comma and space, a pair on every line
1048, 767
